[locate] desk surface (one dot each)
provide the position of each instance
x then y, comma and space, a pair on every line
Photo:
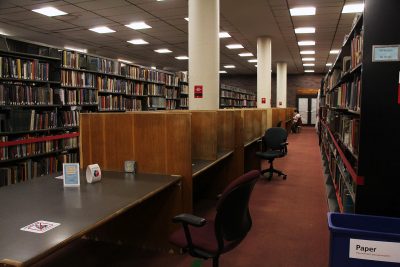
200, 165
77, 209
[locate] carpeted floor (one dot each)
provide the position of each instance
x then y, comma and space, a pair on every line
289, 221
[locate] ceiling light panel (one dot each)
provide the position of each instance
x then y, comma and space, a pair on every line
304, 30
49, 11
163, 51
138, 42
102, 29
353, 8
229, 66
252, 60
224, 35
309, 71
308, 58
182, 57
222, 71
307, 52
234, 46
302, 11
246, 55
305, 43
140, 25
334, 51
308, 64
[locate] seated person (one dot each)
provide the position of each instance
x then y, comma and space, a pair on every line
296, 121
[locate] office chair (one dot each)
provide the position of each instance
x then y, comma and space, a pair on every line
273, 146
208, 239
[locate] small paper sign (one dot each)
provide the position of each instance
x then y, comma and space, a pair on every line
198, 91
263, 100
71, 174
40, 227
385, 53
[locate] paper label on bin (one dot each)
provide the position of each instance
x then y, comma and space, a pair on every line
374, 250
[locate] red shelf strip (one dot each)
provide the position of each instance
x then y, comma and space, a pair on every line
358, 179
40, 139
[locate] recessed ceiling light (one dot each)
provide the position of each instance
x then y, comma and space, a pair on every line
308, 58
334, 51
160, 0
140, 25
305, 30
101, 29
138, 42
224, 35
234, 46
82, 50
163, 51
328, 64
246, 55
222, 71
49, 11
229, 66
307, 52
302, 11
308, 64
304, 43
182, 57
153, 68
187, 19
125, 61
252, 60
309, 71
353, 8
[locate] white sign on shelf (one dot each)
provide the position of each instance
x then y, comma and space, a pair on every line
385, 53
40, 227
374, 250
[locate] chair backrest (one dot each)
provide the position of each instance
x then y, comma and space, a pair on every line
274, 137
233, 220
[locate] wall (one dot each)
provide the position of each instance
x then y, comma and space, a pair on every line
294, 82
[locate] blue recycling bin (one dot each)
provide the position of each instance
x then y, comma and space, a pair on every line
363, 241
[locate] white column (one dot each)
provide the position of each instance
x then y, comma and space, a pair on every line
281, 84
204, 53
264, 72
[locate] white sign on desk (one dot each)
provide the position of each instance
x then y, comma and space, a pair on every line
40, 227
384, 53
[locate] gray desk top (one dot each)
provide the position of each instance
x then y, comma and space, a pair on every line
77, 209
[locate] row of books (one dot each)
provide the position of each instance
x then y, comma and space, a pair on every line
237, 103
30, 120
76, 97
171, 93
170, 104
347, 96
236, 89
133, 104
171, 80
77, 79
135, 88
156, 89
184, 102
356, 50
236, 95
114, 85
183, 76
32, 168
184, 89
30, 149
69, 118
17, 68
14, 94
111, 102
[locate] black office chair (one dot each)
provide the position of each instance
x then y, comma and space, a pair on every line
273, 145
208, 239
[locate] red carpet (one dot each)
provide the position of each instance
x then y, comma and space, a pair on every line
289, 221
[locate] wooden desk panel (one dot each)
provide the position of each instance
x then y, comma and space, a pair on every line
79, 210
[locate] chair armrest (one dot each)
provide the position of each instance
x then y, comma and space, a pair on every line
284, 144
186, 218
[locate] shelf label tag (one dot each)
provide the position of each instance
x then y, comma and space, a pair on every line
385, 53
198, 91
374, 250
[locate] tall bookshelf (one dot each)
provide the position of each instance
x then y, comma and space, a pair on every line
359, 117
234, 97
183, 90
36, 137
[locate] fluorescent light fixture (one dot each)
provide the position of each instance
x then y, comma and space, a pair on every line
140, 25
49, 11
308, 64
246, 55
328, 64
302, 11
304, 43
256, 65
82, 50
224, 35
3, 33
153, 68
252, 60
138, 42
353, 8
307, 52
160, 0
222, 71
308, 58
305, 30
182, 57
163, 51
229, 66
309, 71
125, 61
334, 51
187, 19
234, 46
101, 29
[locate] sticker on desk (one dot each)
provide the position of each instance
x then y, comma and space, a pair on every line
40, 227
